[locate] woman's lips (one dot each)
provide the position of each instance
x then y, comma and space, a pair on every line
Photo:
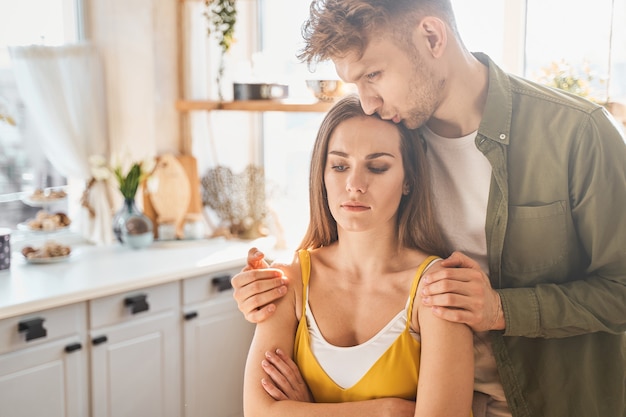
354, 206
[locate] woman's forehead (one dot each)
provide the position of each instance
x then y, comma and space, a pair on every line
366, 132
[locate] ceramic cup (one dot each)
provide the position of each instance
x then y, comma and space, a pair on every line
194, 230
5, 248
167, 231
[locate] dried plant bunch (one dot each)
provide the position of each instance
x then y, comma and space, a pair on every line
237, 199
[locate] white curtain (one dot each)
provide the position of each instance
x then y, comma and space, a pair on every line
63, 91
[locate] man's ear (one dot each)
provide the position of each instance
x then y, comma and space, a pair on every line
432, 34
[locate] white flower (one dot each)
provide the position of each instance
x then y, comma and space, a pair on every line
99, 169
148, 165
100, 173
97, 161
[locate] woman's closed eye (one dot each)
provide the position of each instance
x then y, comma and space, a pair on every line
373, 169
339, 167
378, 169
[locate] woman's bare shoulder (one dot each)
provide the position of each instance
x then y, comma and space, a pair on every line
433, 265
412, 259
288, 266
292, 270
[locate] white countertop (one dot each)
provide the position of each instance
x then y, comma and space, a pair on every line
98, 271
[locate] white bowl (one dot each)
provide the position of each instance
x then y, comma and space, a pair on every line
326, 90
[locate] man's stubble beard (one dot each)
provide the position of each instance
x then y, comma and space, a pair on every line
425, 100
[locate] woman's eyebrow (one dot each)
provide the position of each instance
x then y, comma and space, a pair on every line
380, 155
370, 156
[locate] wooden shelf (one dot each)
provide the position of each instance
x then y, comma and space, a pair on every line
253, 105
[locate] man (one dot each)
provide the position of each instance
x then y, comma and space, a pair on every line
530, 188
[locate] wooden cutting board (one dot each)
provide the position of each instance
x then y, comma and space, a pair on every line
190, 165
172, 192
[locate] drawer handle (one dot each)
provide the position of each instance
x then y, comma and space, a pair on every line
191, 315
72, 347
137, 303
99, 340
222, 282
34, 328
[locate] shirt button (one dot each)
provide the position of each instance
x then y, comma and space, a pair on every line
502, 136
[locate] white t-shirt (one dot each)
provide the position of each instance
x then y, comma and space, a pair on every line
461, 179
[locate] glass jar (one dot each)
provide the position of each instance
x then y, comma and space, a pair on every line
132, 227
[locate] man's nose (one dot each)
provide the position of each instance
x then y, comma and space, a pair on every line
370, 101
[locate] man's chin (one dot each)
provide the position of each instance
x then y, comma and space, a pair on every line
411, 124
414, 122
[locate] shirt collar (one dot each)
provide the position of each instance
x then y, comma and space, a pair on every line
496, 119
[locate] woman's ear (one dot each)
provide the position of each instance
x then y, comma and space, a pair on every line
406, 189
432, 34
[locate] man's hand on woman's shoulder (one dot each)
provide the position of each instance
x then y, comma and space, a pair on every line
257, 286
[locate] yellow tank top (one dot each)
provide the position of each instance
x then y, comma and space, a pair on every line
394, 374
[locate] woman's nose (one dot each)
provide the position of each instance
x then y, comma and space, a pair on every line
356, 183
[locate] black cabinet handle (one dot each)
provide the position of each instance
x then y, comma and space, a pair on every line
222, 282
72, 347
191, 315
99, 340
137, 303
34, 328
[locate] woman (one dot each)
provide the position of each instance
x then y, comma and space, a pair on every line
360, 339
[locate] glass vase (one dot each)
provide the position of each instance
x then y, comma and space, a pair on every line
132, 227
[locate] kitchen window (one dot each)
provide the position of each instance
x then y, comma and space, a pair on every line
23, 166
588, 41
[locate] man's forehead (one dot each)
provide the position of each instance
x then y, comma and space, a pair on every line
353, 65
347, 68
351, 68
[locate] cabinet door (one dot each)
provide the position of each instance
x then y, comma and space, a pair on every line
43, 363
135, 353
136, 367
216, 343
49, 379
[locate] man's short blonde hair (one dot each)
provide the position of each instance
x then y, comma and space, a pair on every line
338, 27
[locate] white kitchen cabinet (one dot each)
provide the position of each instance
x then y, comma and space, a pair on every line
43, 364
216, 339
135, 353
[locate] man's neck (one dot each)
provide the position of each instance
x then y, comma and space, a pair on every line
461, 112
